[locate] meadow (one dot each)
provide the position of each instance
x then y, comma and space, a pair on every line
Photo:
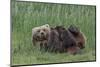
26, 15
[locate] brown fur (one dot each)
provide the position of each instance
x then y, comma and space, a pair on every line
61, 40
69, 42
78, 35
54, 44
73, 50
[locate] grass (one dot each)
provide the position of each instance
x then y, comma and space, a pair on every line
26, 15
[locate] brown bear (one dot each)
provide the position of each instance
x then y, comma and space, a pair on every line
61, 40
78, 35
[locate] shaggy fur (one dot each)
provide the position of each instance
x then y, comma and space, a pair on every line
54, 44
69, 42
67, 39
78, 35
61, 40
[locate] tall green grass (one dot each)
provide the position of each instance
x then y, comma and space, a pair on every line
26, 15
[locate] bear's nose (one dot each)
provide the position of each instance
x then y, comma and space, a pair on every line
42, 33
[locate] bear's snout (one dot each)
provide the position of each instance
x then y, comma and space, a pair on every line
42, 33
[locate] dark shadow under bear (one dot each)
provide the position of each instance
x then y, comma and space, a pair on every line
78, 35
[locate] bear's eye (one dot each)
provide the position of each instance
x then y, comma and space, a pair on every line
44, 30
38, 31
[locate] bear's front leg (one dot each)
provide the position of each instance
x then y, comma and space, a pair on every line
41, 46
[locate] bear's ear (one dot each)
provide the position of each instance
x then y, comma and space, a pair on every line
47, 25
